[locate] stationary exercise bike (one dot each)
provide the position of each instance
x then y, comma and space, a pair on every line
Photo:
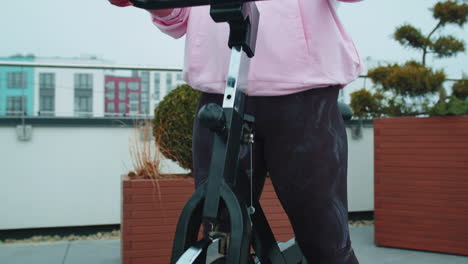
234, 222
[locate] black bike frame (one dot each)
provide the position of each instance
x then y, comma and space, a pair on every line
226, 188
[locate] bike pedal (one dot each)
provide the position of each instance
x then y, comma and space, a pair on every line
223, 243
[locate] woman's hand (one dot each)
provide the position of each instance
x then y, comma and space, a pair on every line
121, 3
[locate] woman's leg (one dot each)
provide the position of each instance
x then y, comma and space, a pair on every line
305, 148
202, 141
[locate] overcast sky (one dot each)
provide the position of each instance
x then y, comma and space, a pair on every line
65, 28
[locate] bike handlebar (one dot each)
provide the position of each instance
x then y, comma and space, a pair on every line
164, 4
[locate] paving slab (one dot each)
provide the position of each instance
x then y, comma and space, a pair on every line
362, 239
94, 252
39, 253
108, 252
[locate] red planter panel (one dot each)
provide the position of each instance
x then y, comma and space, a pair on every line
421, 183
150, 214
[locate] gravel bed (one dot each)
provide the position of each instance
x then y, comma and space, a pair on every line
116, 235
361, 222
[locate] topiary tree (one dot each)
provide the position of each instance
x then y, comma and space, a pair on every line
407, 89
413, 85
172, 124
448, 12
411, 80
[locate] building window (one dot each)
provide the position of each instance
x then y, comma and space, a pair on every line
110, 108
179, 76
134, 100
157, 86
145, 87
145, 81
122, 108
47, 80
16, 80
110, 90
16, 105
83, 105
46, 93
144, 107
83, 94
169, 81
133, 86
122, 90
134, 108
46, 106
133, 97
84, 81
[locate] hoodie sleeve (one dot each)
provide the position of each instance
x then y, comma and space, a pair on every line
174, 24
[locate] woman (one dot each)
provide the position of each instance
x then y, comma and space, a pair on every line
303, 57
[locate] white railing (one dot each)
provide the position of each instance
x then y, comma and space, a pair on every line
85, 66
64, 90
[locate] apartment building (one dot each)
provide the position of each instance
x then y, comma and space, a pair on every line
82, 92
69, 92
17, 88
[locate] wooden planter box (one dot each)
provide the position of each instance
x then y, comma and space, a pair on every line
421, 183
148, 225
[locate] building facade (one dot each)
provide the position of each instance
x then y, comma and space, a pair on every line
66, 92
73, 92
123, 96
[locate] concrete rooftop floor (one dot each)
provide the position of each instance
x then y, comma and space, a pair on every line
108, 252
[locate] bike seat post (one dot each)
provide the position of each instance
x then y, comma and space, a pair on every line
243, 21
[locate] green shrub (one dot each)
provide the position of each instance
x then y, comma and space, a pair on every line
451, 106
365, 104
172, 125
460, 89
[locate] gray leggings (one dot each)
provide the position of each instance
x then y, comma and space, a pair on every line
300, 139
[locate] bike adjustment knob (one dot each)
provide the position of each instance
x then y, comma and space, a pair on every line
212, 117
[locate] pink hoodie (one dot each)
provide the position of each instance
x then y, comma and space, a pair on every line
301, 44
